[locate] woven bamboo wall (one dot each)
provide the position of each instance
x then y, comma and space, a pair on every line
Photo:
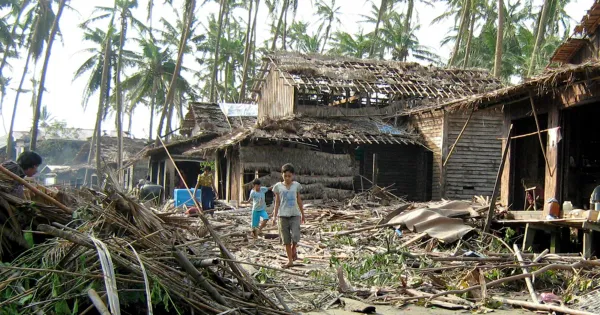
473, 166
276, 97
430, 126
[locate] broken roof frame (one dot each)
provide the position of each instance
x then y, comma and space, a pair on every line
392, 78
548, 83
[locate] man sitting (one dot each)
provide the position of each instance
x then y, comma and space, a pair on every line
26, 165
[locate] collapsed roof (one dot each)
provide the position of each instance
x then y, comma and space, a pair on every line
402, 80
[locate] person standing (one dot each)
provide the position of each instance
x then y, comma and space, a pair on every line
259, 207
290, 212
208, 193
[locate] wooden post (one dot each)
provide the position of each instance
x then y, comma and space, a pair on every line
490, 215
228, 178
587, 244
375, 171
551, 184
534, 298
505, 182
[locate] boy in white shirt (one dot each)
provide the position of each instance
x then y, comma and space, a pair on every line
289, 211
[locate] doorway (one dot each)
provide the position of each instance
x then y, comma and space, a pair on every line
529, 168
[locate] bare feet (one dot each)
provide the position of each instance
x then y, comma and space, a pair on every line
254, 233
288, 265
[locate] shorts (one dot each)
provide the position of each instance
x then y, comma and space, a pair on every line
256, 215
289, 228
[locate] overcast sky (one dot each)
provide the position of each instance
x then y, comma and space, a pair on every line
63, 96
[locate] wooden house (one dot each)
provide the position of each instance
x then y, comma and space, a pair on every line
202, 123
318, 110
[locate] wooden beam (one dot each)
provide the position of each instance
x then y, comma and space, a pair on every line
505, 182
490, 215
459, 136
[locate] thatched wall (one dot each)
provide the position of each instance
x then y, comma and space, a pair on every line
322, 175
306, 162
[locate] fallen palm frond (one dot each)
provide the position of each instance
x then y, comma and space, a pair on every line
120, 249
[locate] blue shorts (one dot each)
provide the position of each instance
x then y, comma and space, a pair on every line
256, 215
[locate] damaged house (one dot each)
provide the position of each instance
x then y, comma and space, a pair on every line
202, 123
338, 121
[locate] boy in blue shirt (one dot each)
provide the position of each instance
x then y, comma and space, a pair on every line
259, 207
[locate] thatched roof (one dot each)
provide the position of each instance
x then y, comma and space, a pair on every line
401, 79
589, 22
131, 148
208, 117
351, 130
180, 146
550, 83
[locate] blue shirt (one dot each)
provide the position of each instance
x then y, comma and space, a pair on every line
258, 199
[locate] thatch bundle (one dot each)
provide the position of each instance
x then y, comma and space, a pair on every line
135, 257
306, 162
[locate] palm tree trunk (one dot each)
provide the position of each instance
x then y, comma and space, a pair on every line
461, 30
469, 39
13, 34
10, 144
103, 98
248, 50
284, 8
409, 14
327, 30
152, 105
285, 29
213, 82
38, 103
382, 9
119, 96
169, 120
180, 107
499, 40
539, 38
173, 85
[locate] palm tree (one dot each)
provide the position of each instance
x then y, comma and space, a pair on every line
499, 37
402, 43
251, 28
540, 32
381, 11
346, 44
38, 103
190, 6
38, 22
328, 15
213, 81
150, 82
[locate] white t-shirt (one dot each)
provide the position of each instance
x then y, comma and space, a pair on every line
288, 201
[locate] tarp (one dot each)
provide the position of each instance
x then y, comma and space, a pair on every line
234, 110
439, 222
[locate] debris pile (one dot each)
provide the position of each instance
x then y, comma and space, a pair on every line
403, 255
113, 253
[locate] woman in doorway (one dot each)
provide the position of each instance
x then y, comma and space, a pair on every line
208, 192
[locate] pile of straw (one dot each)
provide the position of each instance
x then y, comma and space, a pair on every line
113, 253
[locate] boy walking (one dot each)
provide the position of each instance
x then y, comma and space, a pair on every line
259, 207
289, 211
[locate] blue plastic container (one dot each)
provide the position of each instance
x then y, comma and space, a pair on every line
183, 197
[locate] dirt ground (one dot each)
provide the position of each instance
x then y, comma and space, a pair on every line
351, 305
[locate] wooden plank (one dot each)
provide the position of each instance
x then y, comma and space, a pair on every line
490, 214
587, 244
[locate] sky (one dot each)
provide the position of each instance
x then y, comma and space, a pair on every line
63, 95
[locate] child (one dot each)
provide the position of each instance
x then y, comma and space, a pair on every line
288, 207
259, 207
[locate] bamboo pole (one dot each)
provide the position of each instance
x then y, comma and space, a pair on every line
537, 125
192, 271
534, 298
35, 190
98, 302
542, 307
